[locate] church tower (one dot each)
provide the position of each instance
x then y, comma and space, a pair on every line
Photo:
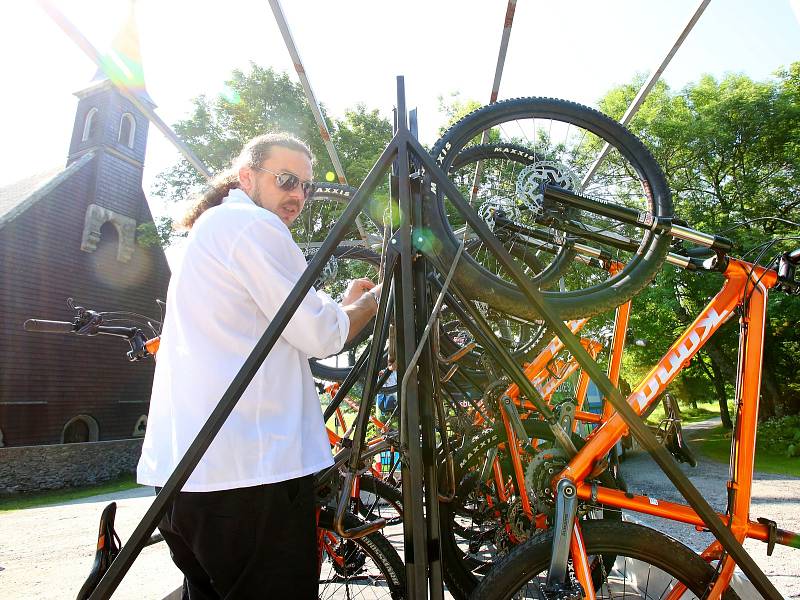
110, 127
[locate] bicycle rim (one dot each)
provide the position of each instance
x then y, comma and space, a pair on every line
568, 137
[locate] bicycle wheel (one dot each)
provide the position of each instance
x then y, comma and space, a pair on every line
647, 564
347, 263
324, 208
475, 531
379, 500
523, 339
487, 175
565, 138
366, 567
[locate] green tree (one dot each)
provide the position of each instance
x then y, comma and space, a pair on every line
260, 100
730, 150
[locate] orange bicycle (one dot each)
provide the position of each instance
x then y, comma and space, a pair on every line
601, 557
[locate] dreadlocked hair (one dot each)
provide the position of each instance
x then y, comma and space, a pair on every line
254, 153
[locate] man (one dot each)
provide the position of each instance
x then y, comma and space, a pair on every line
244, 525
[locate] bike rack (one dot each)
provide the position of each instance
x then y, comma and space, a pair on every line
409, 279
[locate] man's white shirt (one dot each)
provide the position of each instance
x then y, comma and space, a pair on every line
239, 266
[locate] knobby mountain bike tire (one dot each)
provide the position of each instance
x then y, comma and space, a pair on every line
325, 206
379, 500
367, 567
648, 564
569, 137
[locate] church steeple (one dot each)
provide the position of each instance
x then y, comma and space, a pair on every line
105, 118
123, 63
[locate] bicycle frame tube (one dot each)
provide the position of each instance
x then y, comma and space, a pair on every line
621, 319
745, 286
545, 356
739, 277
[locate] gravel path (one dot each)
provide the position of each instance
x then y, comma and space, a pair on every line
776, 497
46, 553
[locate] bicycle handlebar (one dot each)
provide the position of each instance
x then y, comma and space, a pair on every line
43, 326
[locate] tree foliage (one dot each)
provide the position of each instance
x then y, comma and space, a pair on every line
262, 100
731, 151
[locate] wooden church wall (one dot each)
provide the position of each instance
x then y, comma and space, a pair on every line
45, 379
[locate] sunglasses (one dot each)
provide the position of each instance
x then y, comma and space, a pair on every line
288, 181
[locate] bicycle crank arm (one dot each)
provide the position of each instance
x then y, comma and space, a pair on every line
558, 582
516, 422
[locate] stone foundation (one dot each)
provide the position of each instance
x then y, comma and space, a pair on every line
37, 468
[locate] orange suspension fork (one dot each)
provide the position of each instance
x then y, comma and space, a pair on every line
580, 562
748, 386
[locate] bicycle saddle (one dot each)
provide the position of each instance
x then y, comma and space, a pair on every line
678, 446
108, 546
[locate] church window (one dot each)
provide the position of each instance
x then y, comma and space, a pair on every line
89, 125
127, 129
82, 428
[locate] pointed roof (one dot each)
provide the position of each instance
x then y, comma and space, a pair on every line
122, 64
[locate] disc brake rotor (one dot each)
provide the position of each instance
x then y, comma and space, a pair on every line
531, 178
496, 204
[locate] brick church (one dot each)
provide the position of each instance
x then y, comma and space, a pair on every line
70, 232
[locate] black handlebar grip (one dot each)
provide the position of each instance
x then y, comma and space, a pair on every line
48, 326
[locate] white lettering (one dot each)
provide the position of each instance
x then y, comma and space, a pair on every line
678, 356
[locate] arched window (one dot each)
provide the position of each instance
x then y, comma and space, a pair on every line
82, 428
127, 129
89, 125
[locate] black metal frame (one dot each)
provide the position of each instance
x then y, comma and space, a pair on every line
410, 279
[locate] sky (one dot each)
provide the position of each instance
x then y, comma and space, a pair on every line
353, 50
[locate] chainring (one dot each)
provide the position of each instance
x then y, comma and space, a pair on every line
539, 473
353, 557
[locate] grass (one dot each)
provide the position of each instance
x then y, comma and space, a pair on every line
50, 497
349, 416
689, 414
716, 444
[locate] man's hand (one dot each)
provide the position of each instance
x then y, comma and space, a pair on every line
357, 288
360, 306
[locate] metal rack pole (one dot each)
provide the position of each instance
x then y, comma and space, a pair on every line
508, 21
280, 19
637, 102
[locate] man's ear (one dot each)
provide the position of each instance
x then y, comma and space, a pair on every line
246, 179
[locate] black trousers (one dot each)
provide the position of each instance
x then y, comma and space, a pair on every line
255, 542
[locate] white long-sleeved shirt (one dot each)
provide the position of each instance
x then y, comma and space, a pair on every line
239, 265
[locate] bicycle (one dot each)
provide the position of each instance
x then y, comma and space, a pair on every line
636, 236
744, 292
